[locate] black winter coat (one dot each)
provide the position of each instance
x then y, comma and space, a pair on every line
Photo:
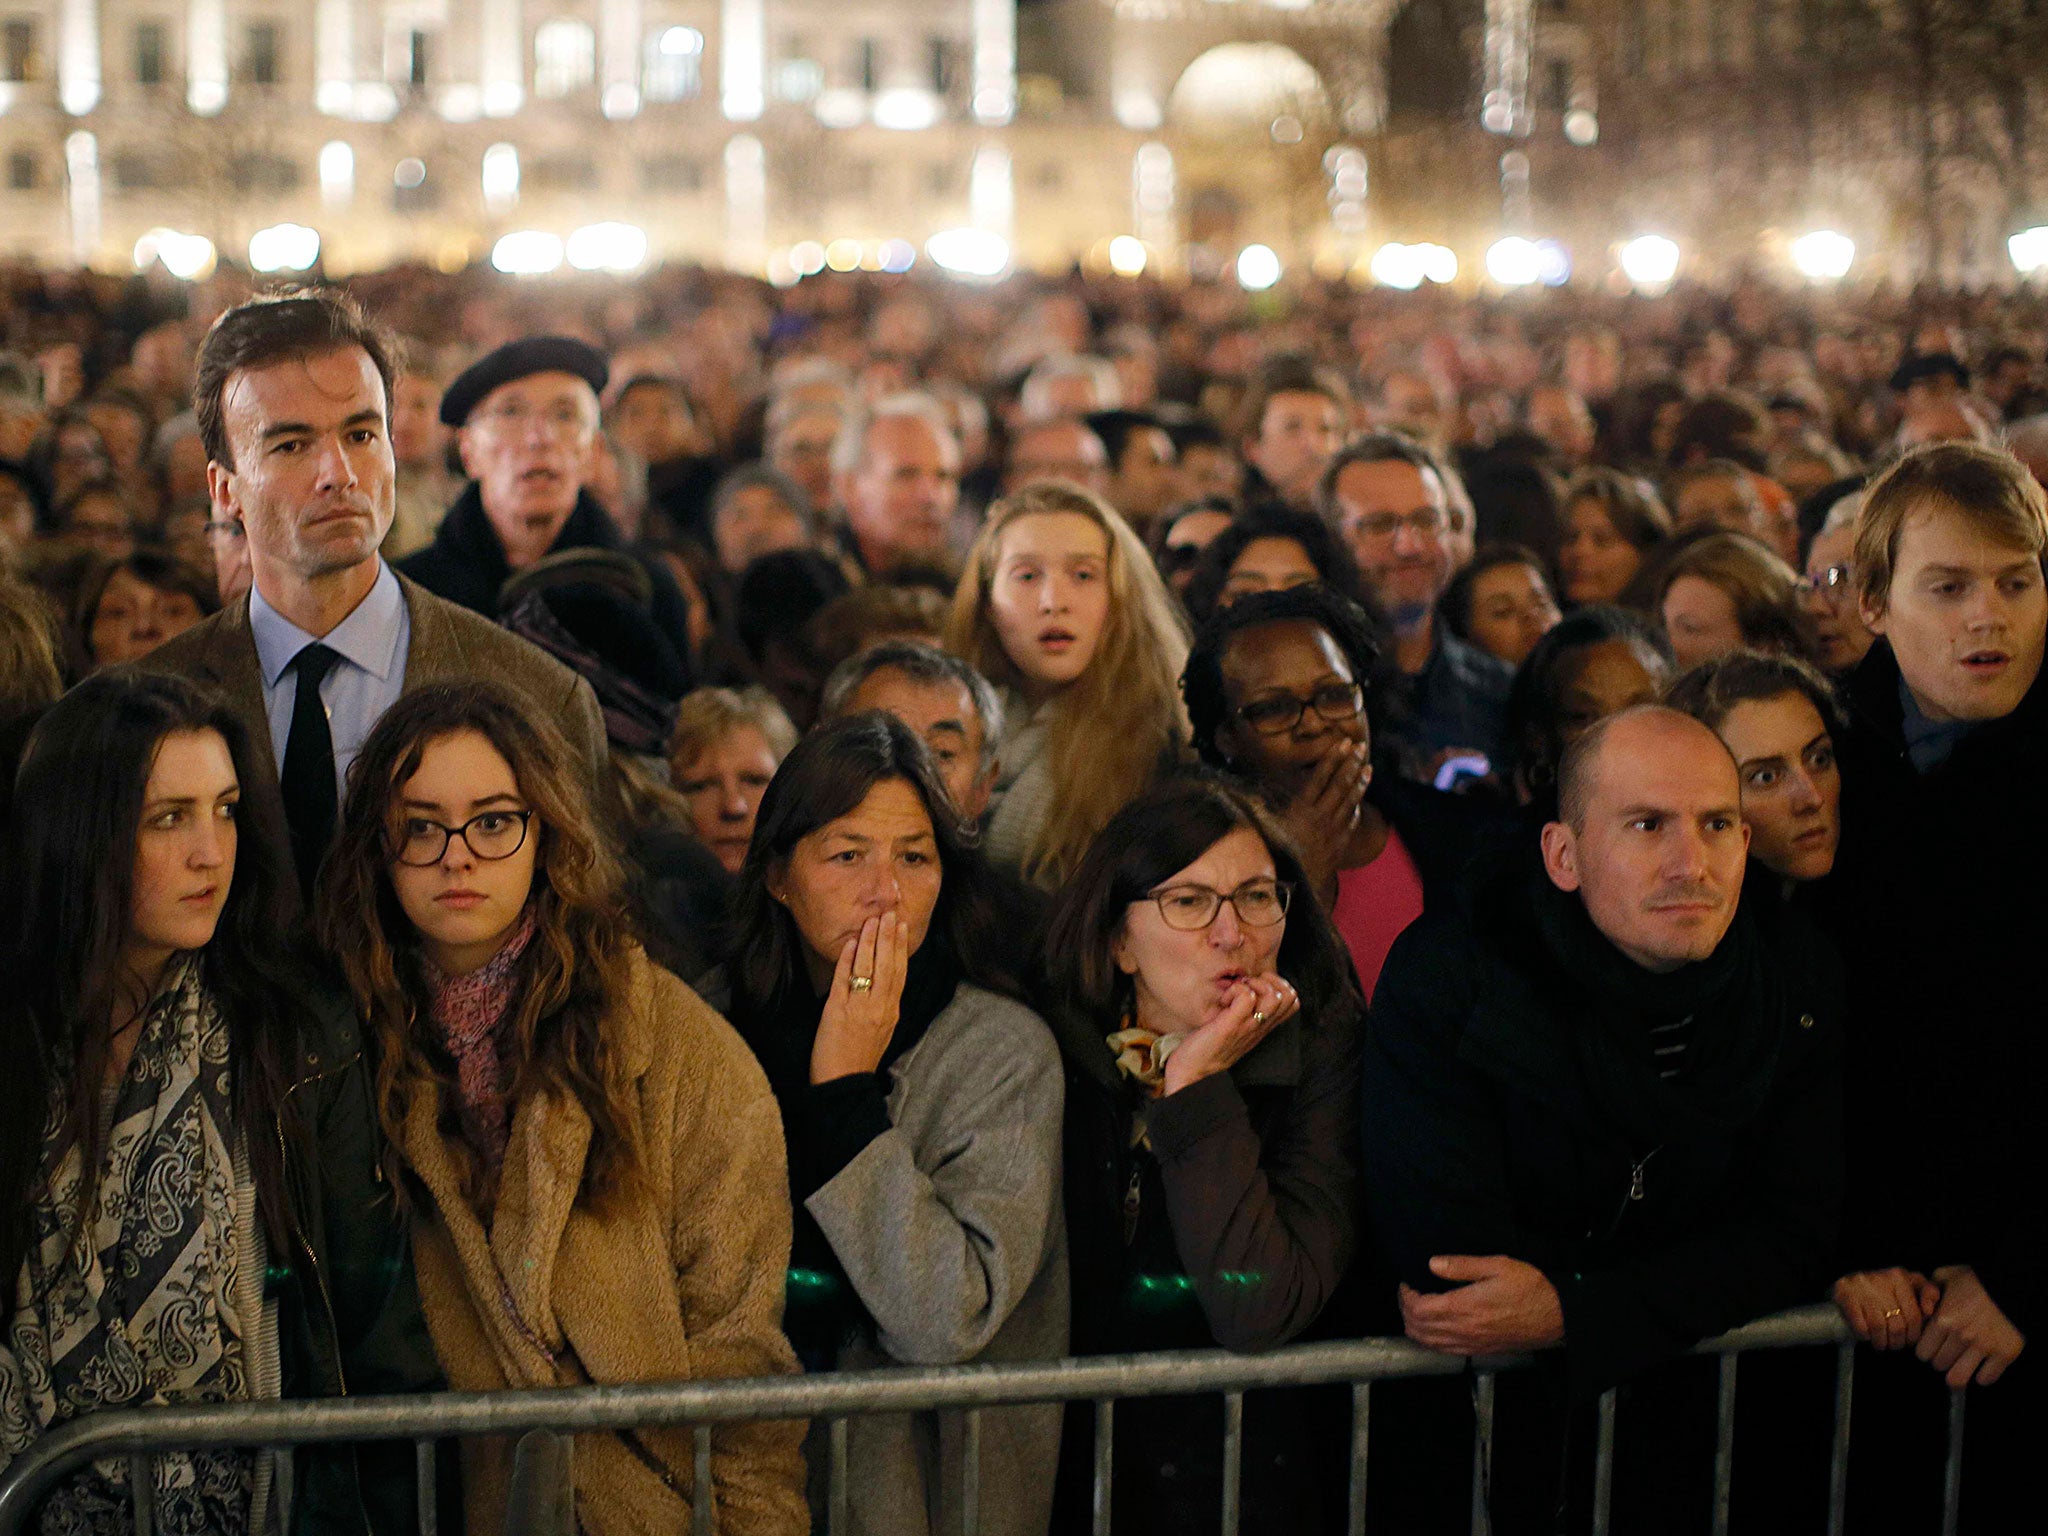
466, 563
1939, 903
1502, 1117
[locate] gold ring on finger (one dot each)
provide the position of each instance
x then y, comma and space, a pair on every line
861, 983
1894, 1312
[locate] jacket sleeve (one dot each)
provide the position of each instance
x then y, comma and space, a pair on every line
730, 1246
1436, 1160
1265, 1231
1770, 1250
943, 1237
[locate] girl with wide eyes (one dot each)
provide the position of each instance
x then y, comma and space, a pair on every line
1776, 715
921, 1100
1062, 610
590, 1157
1211, 1037
190, 1209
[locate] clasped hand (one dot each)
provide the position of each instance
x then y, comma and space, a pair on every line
1950, 1321
1243, 1016
1501, 1307
856, 1026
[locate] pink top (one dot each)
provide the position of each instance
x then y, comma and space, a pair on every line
1374, 903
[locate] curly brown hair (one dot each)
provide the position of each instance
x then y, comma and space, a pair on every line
572, 977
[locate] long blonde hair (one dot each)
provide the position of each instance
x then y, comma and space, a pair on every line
1112, 726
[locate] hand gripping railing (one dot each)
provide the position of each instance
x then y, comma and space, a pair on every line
1103, 1379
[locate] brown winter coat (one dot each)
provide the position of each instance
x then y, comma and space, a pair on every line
684, 1282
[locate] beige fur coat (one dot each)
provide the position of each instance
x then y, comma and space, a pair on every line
684, 1283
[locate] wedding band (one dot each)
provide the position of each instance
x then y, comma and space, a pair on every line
861, 983
1258, 1015
1894, 1312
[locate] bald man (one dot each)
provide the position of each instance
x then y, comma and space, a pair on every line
1603, 1107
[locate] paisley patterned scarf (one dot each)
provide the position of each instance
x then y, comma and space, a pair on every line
152, 1306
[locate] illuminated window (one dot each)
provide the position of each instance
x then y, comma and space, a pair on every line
149, 53
564, 58
260, 53
674, 70
18, 59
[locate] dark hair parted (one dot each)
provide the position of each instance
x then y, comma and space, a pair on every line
1326, 552
1351, 626
1711, 691
574, 973
1633, 507
69, 853
827, 776
1533, 725
1145, 845
294, 323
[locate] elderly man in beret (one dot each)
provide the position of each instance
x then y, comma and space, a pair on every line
525, 417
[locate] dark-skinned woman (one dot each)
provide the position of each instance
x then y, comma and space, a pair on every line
1277, 694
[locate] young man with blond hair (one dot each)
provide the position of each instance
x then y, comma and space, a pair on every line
1939, 903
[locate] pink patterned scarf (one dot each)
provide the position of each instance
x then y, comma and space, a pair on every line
468, 1010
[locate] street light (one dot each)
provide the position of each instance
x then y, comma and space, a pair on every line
2029, 250
969, 252
1824, 254
284, 248
608, 247
527, 253
1258, 267
1650, 261
1514, 262
1398, 266
1127, 256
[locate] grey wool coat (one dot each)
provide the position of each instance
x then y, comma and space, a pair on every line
950, 1229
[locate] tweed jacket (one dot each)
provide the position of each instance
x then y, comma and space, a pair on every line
682, 1281
449, 644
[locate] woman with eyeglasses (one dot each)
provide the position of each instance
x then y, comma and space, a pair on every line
1211, 1036
1276, 691
591, 1158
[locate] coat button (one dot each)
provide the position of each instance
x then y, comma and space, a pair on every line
1806, 1021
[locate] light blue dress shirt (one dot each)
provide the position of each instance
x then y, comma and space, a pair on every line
372, 643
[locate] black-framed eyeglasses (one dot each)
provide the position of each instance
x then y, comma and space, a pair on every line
1260, 903
490, 835
1282, 712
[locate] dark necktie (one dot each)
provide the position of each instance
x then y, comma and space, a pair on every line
307, 777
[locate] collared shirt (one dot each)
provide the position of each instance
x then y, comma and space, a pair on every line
372, 643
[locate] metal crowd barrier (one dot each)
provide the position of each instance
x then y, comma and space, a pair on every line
137, 1433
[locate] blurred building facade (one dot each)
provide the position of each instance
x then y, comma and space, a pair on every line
759, 132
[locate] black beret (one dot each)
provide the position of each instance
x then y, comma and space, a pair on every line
518, 360
1930, 365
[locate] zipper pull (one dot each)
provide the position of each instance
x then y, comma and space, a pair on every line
1635, 1181
1131, 1197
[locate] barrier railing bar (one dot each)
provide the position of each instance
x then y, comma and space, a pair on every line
424, 1486
1482, 1451
1603, 1465
828, 1396
1361, 1431
836, 1522
1233, 1460
1838, 1454
1105, 1460
1952, 1473
1724, 1444
703, 1495
970, 1472
142, 1491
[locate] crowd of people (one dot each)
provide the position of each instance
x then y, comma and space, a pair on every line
682, 830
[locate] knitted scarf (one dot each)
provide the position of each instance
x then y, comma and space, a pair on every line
153, 1304
467, 1011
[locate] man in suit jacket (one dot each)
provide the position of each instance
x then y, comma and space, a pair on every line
293, 398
